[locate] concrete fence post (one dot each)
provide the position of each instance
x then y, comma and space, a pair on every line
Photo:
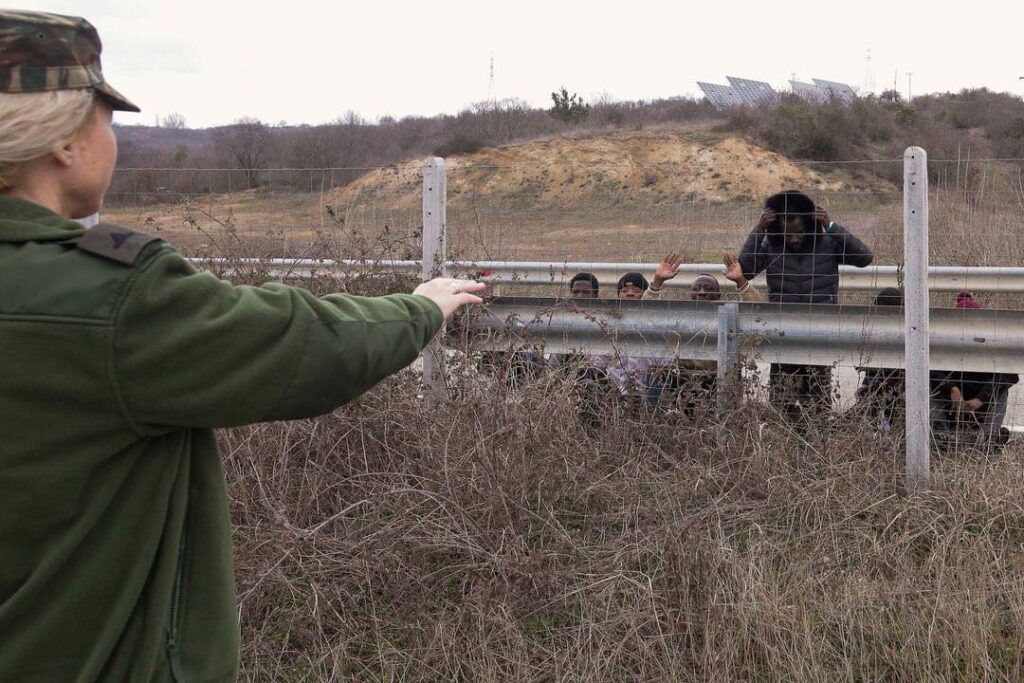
915, 255
728, 357
435, 261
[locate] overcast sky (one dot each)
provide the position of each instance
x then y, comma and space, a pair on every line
309, 62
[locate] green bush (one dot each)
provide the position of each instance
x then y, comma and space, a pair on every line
568, 108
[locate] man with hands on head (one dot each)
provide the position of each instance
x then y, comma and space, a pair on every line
800, 248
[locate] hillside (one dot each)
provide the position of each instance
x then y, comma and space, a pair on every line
636, 169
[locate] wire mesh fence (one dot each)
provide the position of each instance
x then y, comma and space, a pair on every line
701, 203
552, 522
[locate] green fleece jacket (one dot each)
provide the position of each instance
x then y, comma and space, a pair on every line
118, 359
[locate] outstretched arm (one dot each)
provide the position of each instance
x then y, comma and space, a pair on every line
191, 350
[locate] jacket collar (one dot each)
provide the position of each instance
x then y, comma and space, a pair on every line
25, 221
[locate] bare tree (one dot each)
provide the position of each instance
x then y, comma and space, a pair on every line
351, 118
175, 120
495, 122
511, 115
246, 145
322, 146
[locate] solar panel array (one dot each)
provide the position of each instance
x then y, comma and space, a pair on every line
839, 91
744, 92
753, 92
721, 96
809, 92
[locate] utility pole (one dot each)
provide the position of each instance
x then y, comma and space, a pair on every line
491, 96
869, 75
910, 76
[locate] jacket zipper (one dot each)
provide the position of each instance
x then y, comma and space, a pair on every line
173, 653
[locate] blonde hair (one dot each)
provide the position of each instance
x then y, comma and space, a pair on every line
35, 124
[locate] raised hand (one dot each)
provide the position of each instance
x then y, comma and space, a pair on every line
667, 269
821, 217
767, 216
733, 270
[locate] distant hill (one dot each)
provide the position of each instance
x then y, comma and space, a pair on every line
636, 168
973, 123
158, 137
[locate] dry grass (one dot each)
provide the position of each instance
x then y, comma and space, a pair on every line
499, 537
505, 535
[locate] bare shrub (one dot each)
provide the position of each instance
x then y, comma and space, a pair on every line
535, 530
247, 145
501, 537
460, 144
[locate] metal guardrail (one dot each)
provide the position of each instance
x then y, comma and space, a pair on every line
940, 278
983, 340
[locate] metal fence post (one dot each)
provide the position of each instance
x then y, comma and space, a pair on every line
728, 357
915, 254
435, 261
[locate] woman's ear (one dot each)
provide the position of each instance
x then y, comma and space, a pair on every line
64, 156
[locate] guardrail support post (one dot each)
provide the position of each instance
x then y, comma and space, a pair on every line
915, 255
435, 262
728, 357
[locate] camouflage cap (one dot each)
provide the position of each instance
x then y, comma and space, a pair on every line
41, 52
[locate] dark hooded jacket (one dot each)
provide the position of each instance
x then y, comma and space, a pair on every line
808, 273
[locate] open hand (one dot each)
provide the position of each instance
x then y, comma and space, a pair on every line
667, 269
733, 270
450, 294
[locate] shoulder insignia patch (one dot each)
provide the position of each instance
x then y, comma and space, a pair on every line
114, 242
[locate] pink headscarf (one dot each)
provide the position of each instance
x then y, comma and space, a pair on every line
966, 300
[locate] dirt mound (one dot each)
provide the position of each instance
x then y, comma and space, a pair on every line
641, 168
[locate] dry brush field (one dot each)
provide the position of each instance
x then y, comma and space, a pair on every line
502, 535
499, 537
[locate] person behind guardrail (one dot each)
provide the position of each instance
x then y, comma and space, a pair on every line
584, 286
587, 372
120, 359
632, 375
688, 382
631, 286
881, 392
800, 248
971, 402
